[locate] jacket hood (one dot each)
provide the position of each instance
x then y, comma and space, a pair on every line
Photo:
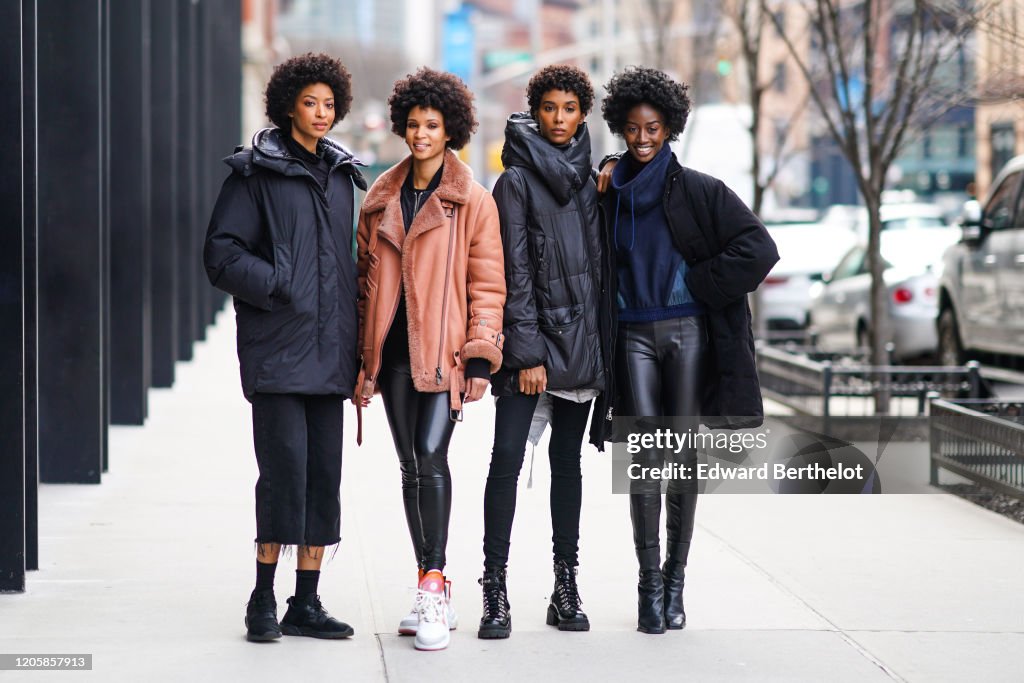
563, 170
270, 151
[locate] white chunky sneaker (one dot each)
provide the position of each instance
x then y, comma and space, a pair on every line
432, 631
407, 627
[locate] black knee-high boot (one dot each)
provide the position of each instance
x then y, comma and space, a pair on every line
645, 513
680, 509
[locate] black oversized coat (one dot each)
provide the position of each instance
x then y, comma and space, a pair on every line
548, 207
282, 247
728, 253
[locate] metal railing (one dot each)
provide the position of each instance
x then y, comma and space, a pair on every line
809, 382
979, 439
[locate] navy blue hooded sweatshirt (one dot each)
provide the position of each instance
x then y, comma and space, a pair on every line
651, 271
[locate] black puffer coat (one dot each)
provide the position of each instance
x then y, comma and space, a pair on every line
282, 246
728, 252
547, 203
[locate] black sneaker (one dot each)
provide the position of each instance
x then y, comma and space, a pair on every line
307, 617
261, 617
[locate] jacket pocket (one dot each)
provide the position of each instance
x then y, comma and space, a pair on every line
560, 318
536, 246
372, 268
569, 365
282, 293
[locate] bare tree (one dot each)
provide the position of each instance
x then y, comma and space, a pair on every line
661, 24
873, 71
750, 21
657, 17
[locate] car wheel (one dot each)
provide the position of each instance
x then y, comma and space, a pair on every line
951, 350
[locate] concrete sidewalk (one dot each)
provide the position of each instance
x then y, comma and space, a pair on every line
150, 571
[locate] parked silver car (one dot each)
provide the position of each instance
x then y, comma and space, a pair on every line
840, 316
981, 298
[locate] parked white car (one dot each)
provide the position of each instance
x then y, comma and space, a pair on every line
903, 216
806, 252
840, 316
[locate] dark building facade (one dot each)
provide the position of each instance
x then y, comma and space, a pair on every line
117, 113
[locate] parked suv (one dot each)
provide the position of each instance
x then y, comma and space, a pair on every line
981, 292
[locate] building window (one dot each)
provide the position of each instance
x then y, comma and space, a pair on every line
1003, 140
943, 143
779, 81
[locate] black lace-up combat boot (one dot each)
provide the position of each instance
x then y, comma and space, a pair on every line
564, 610
496, 621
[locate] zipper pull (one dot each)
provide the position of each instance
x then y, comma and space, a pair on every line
437, 374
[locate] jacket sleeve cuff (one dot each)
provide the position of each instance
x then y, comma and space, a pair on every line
487, 350
479, 368
614, 156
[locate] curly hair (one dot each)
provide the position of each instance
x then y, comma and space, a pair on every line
438, 90
560, 77
291, 76
643, 85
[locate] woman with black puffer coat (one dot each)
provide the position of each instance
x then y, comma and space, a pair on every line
554, 359
279, 242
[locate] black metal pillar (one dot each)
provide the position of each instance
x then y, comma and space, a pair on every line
130, 166
12, 302
28, 52
223, 57
105, 223
205, 93
71, 428
186, 156
164, 82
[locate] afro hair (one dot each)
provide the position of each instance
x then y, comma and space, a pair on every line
643, 85
290, 77
560, 77
438, 90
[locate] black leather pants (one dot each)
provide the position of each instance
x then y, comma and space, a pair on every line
660, 366
421, 427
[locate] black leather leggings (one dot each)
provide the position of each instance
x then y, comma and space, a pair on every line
421, 427
660, 367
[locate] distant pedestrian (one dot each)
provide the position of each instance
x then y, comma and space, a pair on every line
687, 252
280, 241
554, 357
433, 287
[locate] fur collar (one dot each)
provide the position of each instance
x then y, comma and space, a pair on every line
455, 187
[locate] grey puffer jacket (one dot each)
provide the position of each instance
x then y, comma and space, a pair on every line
548, 206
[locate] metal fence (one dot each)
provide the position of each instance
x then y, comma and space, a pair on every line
981, 440
828, 385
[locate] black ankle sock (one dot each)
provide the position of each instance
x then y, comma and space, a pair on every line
265, 575
306, 581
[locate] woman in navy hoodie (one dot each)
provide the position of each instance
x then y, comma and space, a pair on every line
686, 251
